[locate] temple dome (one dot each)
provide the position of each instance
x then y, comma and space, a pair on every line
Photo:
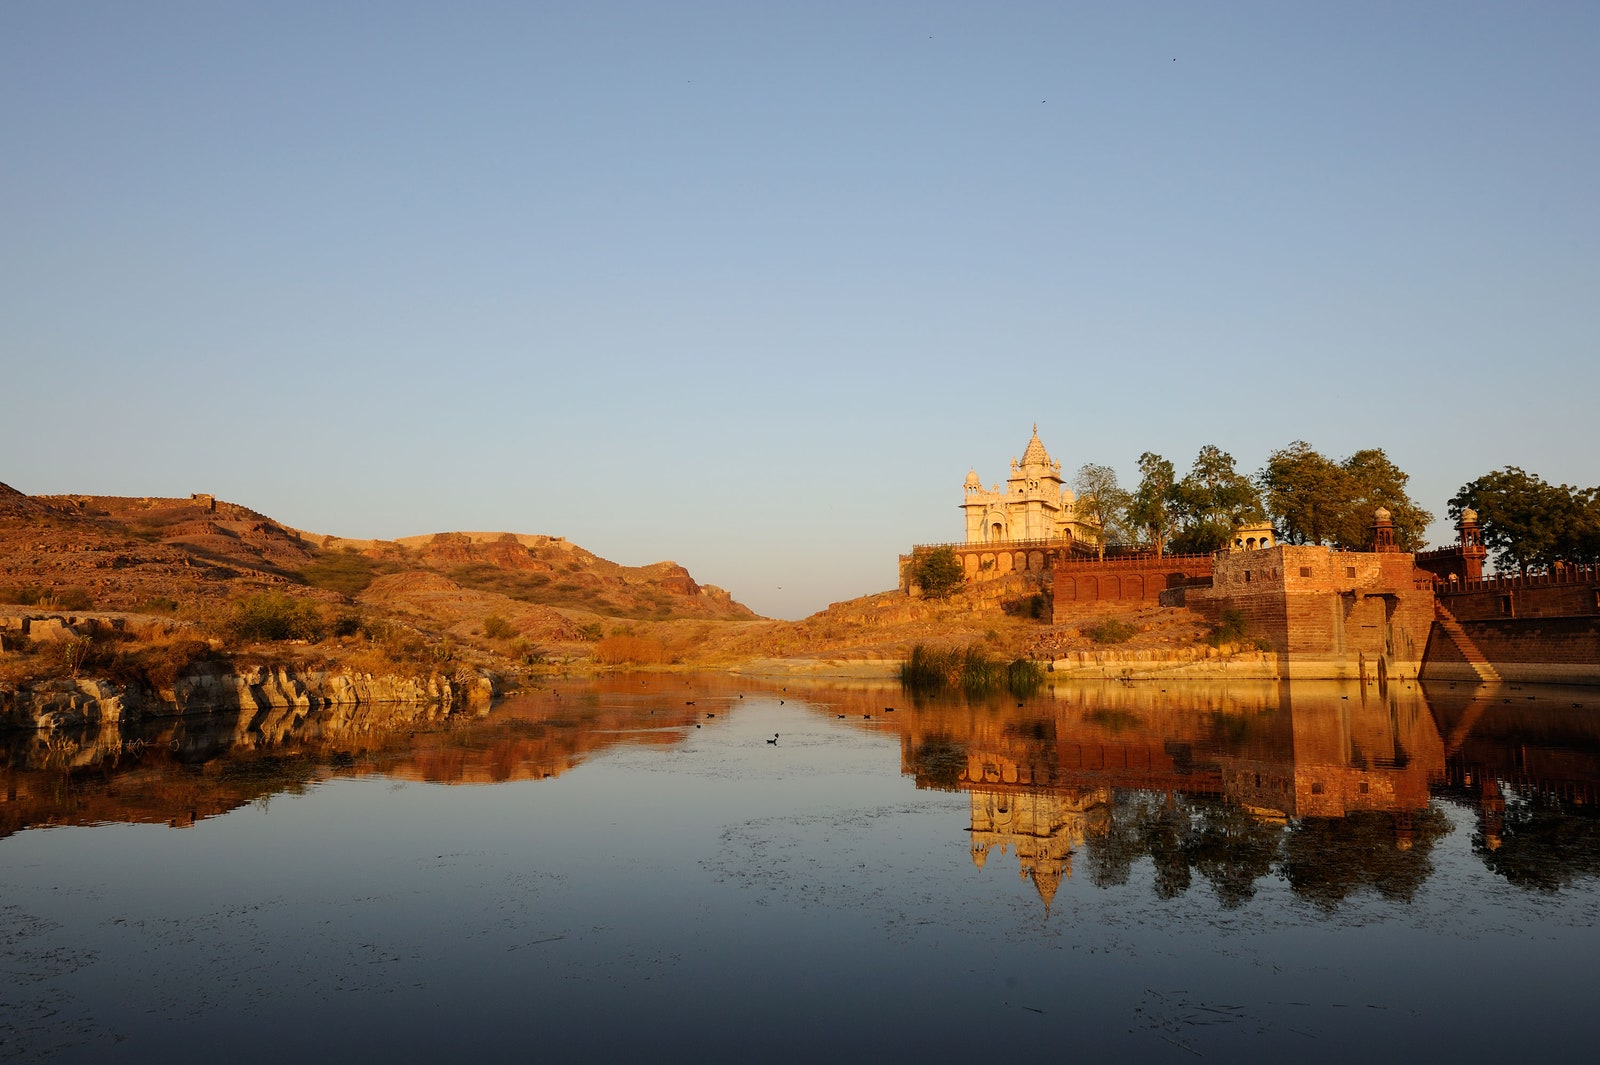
972, 479
1035, 455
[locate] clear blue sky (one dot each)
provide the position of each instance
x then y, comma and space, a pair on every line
751, 286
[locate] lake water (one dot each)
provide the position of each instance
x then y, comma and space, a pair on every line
629, 868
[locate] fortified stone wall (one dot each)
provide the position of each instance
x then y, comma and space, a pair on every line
1539, 628
1550, 650
1571, 592
987, 562
1325, 613
1083, 584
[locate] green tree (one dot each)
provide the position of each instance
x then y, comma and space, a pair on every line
938, 571
1314, 500
1304, 492
1527, 521
275, 616
1373, 481
1150, 509
1102, 502
1211, 501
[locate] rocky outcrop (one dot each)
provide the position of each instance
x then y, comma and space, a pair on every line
40, 626
209, 689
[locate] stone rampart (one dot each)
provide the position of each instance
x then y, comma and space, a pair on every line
1324, 613
1535, 650
1572, 591
1083, 584
982, 562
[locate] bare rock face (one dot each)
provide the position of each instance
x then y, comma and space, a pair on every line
62, 704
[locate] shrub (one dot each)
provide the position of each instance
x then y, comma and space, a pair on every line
76, 598
71, 599
159, 604
396, 641
157, 664
275, 616
929, 668
346, 624
591, 631
1024, 677
980, 674
1029, 606
498, 628
933, 669
938, 572
347, 572
1229, 630
1112, 630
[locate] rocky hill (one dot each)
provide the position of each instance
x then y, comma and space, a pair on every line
142, 589
121, 553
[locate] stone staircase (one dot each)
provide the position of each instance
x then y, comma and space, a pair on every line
1487, 674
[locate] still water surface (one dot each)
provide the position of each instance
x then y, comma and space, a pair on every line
629, 867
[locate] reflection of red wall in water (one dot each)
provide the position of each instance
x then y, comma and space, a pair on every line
1364, 755
1323, 755
1042, 778
1543, 745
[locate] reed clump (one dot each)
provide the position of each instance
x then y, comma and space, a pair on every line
929, 670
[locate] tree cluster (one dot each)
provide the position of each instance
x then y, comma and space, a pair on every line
1311, 499
1530, 523
1315, 500
1194, 515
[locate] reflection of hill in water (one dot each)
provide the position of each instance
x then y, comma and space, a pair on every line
179, 770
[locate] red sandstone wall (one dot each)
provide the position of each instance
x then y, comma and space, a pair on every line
1530, 600
1536, 650
1569, 641
1325, 612
1083, 585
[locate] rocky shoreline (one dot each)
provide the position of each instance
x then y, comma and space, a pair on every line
67, 703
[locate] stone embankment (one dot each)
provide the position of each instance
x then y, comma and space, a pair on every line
209, 689
820, 668
1199, 662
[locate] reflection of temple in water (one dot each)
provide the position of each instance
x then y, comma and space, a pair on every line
1042, 828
